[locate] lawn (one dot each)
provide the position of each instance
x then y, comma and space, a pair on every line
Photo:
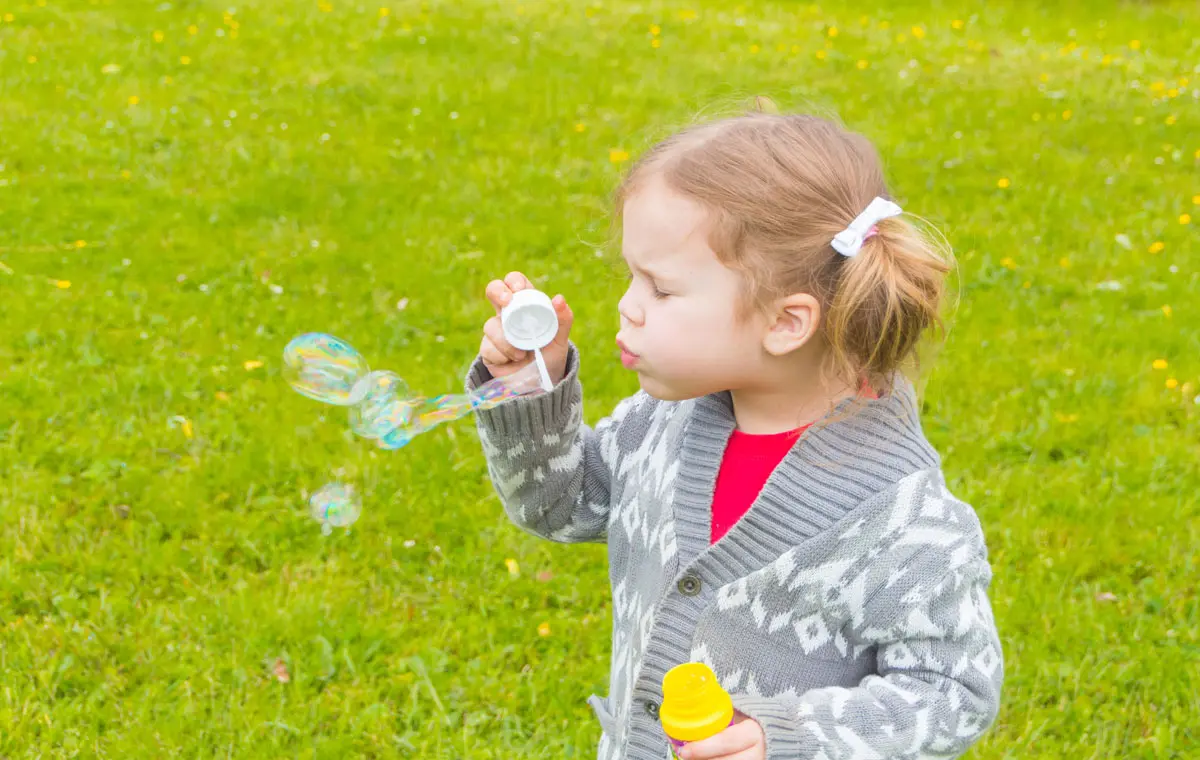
185, 185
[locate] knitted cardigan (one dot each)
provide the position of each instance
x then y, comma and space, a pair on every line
846, 612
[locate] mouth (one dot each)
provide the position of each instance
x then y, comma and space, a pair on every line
628, 358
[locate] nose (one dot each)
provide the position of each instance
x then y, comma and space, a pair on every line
627, 310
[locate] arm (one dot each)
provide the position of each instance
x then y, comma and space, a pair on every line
551, 471
938, 689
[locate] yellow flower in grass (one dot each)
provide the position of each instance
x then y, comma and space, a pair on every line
544, 630
1159, 364
616, 155
1156, 247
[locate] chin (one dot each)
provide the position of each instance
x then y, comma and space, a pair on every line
664, 392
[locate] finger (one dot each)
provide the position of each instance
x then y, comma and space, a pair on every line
495, 333
490, 355
498, 293
756, 752
566, 318
732, 740
517, 281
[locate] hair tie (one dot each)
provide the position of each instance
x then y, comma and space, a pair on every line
849, 241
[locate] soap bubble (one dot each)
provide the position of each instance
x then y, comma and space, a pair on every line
335, 506
385, 404
382, 407
325, 368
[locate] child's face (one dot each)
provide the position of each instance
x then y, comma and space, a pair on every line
678, 315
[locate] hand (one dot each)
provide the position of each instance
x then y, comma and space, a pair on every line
744, 740
499, 356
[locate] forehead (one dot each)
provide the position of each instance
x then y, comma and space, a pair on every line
663, 230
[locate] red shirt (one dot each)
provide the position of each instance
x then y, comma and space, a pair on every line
749, 460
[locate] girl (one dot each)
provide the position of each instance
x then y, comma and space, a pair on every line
770, 503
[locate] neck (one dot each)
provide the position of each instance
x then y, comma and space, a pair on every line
786, 403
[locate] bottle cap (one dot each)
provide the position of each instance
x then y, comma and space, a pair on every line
694, 705
529, 320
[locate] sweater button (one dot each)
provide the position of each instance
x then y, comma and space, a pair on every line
652, 709
689, 585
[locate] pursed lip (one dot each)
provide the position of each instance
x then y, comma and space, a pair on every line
625, 348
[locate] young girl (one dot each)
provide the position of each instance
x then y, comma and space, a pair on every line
770, 503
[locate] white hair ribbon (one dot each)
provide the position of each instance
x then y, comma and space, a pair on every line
850, 240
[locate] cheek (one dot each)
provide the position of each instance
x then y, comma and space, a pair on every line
687, 326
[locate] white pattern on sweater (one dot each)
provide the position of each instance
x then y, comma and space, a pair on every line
846, 612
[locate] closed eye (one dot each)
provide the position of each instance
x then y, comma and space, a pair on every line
658, 294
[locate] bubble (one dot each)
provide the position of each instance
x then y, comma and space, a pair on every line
382, 406
324, 368
385, 404
396, 438
335, 505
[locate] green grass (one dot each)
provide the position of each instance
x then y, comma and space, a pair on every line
150, 581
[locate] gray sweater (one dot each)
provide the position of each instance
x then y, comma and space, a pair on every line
846, 612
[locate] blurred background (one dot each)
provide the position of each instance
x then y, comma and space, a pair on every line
186, 185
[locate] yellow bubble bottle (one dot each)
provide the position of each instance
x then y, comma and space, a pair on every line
694, 705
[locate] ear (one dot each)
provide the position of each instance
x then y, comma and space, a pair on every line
794, 324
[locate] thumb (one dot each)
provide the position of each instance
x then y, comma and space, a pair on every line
565, 318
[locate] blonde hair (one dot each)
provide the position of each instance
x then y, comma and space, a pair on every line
778, 188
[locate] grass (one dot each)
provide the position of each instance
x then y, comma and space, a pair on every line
184, 187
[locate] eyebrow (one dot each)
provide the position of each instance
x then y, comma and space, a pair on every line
647, 272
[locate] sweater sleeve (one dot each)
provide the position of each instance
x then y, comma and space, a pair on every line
937, 691
552, 472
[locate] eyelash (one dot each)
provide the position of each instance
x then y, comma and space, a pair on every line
658, 294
